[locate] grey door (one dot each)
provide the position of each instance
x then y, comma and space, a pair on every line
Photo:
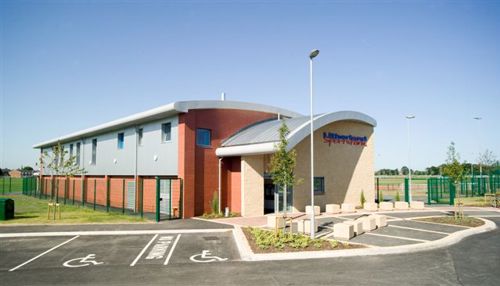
131, 195
165, 192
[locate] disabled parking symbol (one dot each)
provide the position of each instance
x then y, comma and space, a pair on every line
82, 261
206, 256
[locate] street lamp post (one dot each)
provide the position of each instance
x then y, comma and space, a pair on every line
312, 55
408, 118
478, 119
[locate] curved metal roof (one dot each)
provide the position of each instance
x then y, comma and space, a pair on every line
261, 138
165, 111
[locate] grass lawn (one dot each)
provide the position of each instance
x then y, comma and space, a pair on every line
29, 210
466, 221
475, 202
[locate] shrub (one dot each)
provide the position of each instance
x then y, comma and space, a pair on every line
265, 239
398, 198
362, 199
381, 197
215, 203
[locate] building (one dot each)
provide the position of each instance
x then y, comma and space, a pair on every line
193, 151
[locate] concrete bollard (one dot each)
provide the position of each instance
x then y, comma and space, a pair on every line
417, 205
332, 209
369, 223
348, 208
316, 210
273, 220
343, 231
357, 225
380, 220
386, 206
372, 207
401, 205
304, 226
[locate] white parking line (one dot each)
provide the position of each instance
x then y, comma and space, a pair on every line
42, 254
172, 249
418, 229
143, 250
397, 237
112, 232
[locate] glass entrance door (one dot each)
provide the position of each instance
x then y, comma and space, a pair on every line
273, 197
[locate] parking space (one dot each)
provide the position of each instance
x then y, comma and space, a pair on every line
158, 250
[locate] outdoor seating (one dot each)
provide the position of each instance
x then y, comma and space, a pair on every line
343, 231
401, 205
348, 208
316, 210
386, 206
417, 205
304, 226
369, 223
332, 209
358, 226
380, 220
373, 207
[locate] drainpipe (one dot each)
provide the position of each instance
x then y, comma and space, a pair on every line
219, 187
135, 164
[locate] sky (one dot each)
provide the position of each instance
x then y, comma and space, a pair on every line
70, 65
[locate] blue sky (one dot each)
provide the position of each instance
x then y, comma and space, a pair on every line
69, 65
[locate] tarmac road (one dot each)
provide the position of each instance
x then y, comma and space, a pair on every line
473, 261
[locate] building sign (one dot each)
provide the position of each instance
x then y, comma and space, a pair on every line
335, 138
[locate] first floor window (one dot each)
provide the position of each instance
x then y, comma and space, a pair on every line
166, 129
319, 185
139, 136
78, 153
121, 140
203, 137
94, 151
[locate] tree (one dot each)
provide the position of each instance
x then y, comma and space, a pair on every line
283, 163
454, 170
404, 170
27, 168
59, 163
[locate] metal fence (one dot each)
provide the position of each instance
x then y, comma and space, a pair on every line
442, 190
9, 185
159, 198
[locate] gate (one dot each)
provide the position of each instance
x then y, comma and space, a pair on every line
440, 191
168, 198
131, 196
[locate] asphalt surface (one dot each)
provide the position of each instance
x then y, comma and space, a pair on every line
473, 261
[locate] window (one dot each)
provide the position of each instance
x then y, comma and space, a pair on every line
139, 136
94, 151
166, 129
70, 150
121, 140
203, 137
78, 153
319, 185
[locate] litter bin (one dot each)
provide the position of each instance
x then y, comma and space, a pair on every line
6, 209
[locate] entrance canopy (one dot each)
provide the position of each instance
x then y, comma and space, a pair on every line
262, 137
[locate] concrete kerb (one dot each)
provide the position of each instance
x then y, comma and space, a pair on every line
111, 232
247, 254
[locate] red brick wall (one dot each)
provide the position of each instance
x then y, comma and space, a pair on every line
198, 166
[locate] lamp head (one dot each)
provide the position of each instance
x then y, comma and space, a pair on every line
313, 54
410, 116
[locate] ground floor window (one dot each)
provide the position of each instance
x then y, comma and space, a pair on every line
319, 185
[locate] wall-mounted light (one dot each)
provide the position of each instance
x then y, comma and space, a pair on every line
155, 158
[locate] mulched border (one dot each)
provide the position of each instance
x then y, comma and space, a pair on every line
325, 246
467, 221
